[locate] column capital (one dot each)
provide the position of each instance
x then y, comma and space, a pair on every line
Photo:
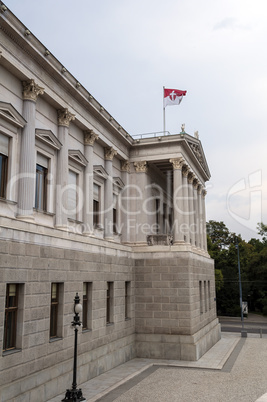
185, 171
90, 137
125, 166
64, 117
199, 189
31, 90
195, 183
204, 193
177, 163
110, 153
140, 167
191, 177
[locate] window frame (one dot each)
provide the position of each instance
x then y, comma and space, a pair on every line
14, 317
41, 185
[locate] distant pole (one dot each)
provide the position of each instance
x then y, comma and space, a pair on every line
164, 125
240, 286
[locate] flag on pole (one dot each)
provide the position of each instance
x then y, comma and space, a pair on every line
173, 96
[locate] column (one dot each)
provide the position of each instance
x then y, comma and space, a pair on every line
204, 193
108, 201
89, 139
178, 214
125, 205
141, 228
191, 208
196, 214
185, 229
64, 119
199, 193
31, 91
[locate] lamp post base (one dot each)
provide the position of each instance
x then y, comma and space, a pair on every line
73, 395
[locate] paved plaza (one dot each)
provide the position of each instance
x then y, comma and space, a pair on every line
235, 369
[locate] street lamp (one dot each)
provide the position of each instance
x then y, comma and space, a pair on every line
74, 394
243, 332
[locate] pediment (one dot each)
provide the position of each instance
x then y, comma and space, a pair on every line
48, 138
77, 157
100, 171
10, 114
118, 182
198, 152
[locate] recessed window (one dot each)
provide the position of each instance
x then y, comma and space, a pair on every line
54, 310
11, 312
4, 144
87, 305
72, 195
115, 215
41, 188
96, 205
127, 299
109, 303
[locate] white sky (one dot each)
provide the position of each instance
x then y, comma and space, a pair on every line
123, 52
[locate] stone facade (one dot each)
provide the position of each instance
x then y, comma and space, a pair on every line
85, 207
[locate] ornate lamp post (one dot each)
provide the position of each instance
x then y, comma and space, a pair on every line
74, 394
243, 331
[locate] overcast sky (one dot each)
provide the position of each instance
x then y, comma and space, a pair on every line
123, 52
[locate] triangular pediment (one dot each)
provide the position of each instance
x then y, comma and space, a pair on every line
48, 138
10, 114
118, 182
100, 171
77, 157
197, 150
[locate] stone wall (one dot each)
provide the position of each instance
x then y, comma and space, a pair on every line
42, 366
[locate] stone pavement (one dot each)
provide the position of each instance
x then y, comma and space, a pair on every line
214, 377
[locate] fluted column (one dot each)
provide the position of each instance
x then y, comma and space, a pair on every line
204, 192
31, 91
178, 195
125, 168
196, 213
185, 173
200, 224
89, 140
64, 119
108, 201
141, 229
191, 208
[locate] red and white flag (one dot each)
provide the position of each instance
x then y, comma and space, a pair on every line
173, 96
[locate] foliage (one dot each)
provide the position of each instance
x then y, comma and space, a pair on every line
222, 247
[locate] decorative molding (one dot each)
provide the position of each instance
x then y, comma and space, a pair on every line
65, 117
191, 177
10, 114
177, 163
141, 167
100, 172
117, 182
77, 157
31, 90
110, 153
198, 153
125, 166
48, 138
90, 137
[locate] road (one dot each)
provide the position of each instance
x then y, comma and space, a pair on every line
252, 324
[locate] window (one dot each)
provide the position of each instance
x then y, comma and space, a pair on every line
109, 301
11, 311
54, 310
127, 299
72, 195
4, 143
209, 295
200, 297
115, 216
96, 205
205, 295
41, 188
87, 305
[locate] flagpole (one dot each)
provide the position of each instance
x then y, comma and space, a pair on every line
164, 125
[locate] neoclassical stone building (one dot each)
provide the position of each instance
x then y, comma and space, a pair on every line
85, 207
